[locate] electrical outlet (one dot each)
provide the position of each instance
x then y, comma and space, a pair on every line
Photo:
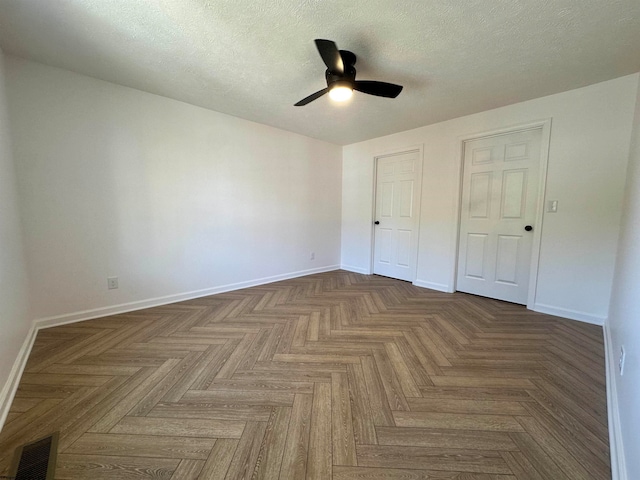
312, 256
621, 360
552, 206
112, 283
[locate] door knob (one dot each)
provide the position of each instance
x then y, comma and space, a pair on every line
528, 228
376, 222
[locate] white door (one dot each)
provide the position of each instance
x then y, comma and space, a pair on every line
499, 203
398, 179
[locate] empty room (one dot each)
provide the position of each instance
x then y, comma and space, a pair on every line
319, 240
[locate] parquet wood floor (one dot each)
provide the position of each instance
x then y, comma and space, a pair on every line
336, 375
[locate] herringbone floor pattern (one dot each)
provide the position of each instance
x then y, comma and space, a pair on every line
335, 375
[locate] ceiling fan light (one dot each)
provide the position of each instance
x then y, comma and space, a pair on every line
340, 93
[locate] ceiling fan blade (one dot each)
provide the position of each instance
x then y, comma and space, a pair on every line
381, 89
311, 97
330, 56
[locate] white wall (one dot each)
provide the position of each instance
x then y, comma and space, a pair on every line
624, 316
169, 197
14, 315
588, 155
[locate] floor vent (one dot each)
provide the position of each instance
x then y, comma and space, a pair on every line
36, 460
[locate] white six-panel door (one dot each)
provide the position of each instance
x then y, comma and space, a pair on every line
499, 203
397, 211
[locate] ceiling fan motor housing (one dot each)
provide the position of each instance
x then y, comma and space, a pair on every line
347, 78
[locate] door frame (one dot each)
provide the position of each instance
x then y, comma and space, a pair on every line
545, 126
419, 148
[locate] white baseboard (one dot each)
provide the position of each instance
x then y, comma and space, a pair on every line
179, 297
440, 287
618, 463
9, 389
11, 386
570, 314
350, 268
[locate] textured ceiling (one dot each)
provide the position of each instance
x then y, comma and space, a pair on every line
254, 59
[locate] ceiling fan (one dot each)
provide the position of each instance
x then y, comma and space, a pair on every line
341, 76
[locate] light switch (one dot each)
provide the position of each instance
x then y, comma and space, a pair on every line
552, 206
